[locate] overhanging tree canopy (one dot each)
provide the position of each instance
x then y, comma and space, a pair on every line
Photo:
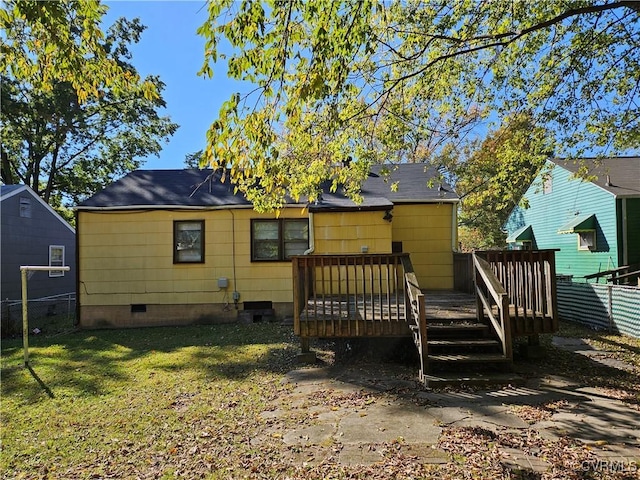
75, 113
401, 80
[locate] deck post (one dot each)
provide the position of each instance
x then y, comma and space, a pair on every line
297, 308
306, 355
422, 326
533, 350
476, 288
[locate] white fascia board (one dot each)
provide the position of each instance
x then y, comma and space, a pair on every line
175, 207
28, 190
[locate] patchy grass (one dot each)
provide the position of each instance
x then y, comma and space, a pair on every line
190, 402
147, 403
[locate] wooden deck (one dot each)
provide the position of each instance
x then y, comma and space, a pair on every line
384, 316
377, 295
354, 316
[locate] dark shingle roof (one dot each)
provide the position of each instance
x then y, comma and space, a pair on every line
203, 188
6, 190
167, 188
623, 173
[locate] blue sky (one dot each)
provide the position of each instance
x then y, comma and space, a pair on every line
171, 48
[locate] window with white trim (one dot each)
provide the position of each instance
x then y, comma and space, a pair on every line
586, 240
188, 241
278, 239
56, 259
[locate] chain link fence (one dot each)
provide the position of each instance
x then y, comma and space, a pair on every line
48, 315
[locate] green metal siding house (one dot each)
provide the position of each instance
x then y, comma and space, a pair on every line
594, 224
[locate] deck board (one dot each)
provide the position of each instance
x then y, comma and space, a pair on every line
385, 315
378, 315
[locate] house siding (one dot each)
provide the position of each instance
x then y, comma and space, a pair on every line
548, 212
351, 232
25, 241
126, 258
426, 234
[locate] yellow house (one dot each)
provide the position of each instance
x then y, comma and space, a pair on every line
172, 247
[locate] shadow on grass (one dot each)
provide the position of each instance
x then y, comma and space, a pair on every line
99, 361
44, 387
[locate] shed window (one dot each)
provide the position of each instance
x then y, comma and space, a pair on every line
25, 207
188, 241
586, 240
279, 239
56, 259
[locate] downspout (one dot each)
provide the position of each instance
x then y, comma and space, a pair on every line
235, 295
76, 322
312, 237
454, 227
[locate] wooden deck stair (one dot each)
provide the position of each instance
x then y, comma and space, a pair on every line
460, 342
378, 295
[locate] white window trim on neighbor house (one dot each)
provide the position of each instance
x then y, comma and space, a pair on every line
54, 261
586, 240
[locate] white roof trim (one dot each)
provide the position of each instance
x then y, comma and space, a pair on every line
25, 188
176, 207
427, 200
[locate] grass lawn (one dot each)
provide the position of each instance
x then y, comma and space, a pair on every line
186, 402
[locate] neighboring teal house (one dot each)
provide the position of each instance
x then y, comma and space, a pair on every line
594, 224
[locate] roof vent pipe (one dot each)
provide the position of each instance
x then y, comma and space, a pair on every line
608, 184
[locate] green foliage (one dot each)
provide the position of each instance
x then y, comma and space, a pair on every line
194, 160
492, 176
408, 81
47, 43
67, 132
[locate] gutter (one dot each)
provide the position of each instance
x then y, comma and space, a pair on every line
170, 207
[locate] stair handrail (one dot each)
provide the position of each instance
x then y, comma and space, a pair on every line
486, 279
416, 314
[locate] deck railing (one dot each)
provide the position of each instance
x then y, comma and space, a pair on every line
334, 288
529, 278
416, 315
493, 301
358, 295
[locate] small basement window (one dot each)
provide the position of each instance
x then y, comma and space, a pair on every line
188, 241
586, 240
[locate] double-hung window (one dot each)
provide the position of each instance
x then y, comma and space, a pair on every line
56, 259
188, 241
278, 239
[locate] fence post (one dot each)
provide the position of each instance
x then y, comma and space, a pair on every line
610, 307
25, 316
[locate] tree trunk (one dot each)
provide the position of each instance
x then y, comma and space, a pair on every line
6, 172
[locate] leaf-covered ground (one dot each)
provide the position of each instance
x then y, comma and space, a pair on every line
190, 402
